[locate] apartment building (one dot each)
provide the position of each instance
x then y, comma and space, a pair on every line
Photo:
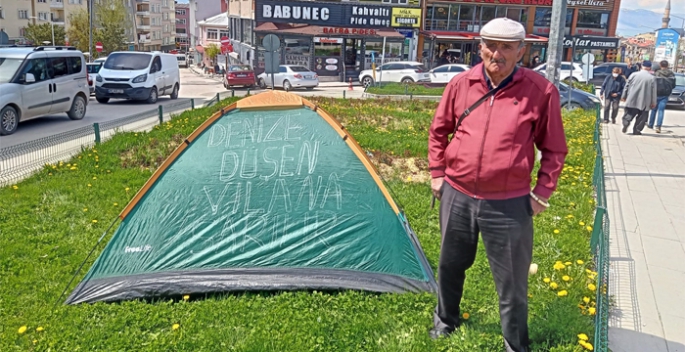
201, 10
182, 27
154, 24
15, 15
242, 24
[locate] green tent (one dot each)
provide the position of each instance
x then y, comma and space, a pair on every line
271, 193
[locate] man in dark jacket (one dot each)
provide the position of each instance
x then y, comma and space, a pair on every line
611, 91
665, 82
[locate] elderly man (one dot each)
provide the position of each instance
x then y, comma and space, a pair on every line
639, 95
482, 176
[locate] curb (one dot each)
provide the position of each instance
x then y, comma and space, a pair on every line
402, 97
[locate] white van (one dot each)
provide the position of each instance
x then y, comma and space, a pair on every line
41, 81
138, 76
182, 60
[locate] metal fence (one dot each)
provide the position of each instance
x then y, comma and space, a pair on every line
599, 243
22, 160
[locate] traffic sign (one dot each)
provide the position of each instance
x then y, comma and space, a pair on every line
225, 40
271, 42
226, 46
98, 47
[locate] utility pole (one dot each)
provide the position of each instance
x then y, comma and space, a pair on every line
556, 41
90, 30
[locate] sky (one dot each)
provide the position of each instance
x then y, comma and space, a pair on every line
654, 5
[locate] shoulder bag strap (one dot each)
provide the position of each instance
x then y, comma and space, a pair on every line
473, 107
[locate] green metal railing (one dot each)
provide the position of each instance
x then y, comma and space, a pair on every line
599, 243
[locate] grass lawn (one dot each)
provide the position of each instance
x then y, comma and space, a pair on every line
405, 89
49, 223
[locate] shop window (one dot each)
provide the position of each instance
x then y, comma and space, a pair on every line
543, 17
393, 52
440, 16
297, 51
487, 14
328, 49
593, 19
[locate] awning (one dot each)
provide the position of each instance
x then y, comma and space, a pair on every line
200, 49
322, 31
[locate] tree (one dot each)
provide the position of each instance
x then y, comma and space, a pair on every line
109, 25
39, 33
212, 51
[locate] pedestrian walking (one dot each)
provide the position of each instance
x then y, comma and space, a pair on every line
665, 82
639, 95
610, 93
497, 114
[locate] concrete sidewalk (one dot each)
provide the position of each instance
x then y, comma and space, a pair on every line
645, 183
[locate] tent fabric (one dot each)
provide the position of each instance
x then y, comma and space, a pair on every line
271, 196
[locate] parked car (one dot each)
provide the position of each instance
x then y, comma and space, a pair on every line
568, 71
601, 71
38, 81
182, 60
445, 73
289, 77
239, 75
579, 99
138, 76
398, 71
93, 69
677, 98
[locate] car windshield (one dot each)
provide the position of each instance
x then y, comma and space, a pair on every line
234, 68
7, 68
680, 80
126, 61
299, 69
94, 68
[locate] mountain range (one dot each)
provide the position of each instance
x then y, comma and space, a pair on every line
632, 22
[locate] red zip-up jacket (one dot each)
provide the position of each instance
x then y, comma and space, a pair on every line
492, 154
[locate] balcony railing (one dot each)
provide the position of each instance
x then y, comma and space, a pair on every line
143, 27
143, 13
56, 4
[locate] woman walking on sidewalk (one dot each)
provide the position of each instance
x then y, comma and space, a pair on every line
611, 91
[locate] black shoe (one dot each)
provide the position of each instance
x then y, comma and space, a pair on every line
613, 121
624, 129
637, 133
438, 333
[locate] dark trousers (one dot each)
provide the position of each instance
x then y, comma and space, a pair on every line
639, 116
507, 230
613, 105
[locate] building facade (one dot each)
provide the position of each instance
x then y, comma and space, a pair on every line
15, 15
211, 32
200, 10
241, 25
453, 27
154, 24
338, 40
183, 27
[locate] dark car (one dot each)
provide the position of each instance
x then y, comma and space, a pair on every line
677, 98
579, 99
239, 75
601, 71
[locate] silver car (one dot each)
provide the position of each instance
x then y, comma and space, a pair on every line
41, 81
289, 77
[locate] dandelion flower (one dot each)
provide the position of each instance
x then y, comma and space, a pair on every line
582, 337
546, 280
72, 168
553, 285
36, 341
126, 189
562, 293
589, 228
85, 209
586, 345
580, 262
95, 178
591, 287
175, 327
22, 329
586, 299
582, 223
186, 297
409, 178
95, 221
565, 278
89, 185
592, 310
15, 187
465, 316
568, 263
50, 174
559, 266
39, 329
115, 204
556, 231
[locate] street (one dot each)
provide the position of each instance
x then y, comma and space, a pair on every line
193, 86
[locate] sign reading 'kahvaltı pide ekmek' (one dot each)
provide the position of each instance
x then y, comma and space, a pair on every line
335, 14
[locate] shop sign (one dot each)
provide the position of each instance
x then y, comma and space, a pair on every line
589, 4
406, 17
336, 14
583, 42
355, 31
407, 33
591, 31
544, 31
328, 40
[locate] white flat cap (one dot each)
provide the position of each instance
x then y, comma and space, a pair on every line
503, 29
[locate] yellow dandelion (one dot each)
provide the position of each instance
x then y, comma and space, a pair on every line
562, 293
72, 168
568, 263
566, 278
89, 185
466, 316
586, 299
589, 228
186, 297
591, 287
49, 173
95, 221
546, 280
95, 178
39, 329
572, 204
559, 266
36, 341
580, 262
175, 327
409, 178
582, 223
15, 187
592, 310
85, 209
22, 329
582, 337
126, 189
556, 231
553, 285
115, 204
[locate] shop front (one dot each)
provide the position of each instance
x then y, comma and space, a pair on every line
600, 47
337, 41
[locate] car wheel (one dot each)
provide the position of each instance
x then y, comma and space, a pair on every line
9, 121
174, 93
153, 96
78, 108
102, 100
310, 88
407, 80
571, 106
367, 81
287, 86
262, 83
